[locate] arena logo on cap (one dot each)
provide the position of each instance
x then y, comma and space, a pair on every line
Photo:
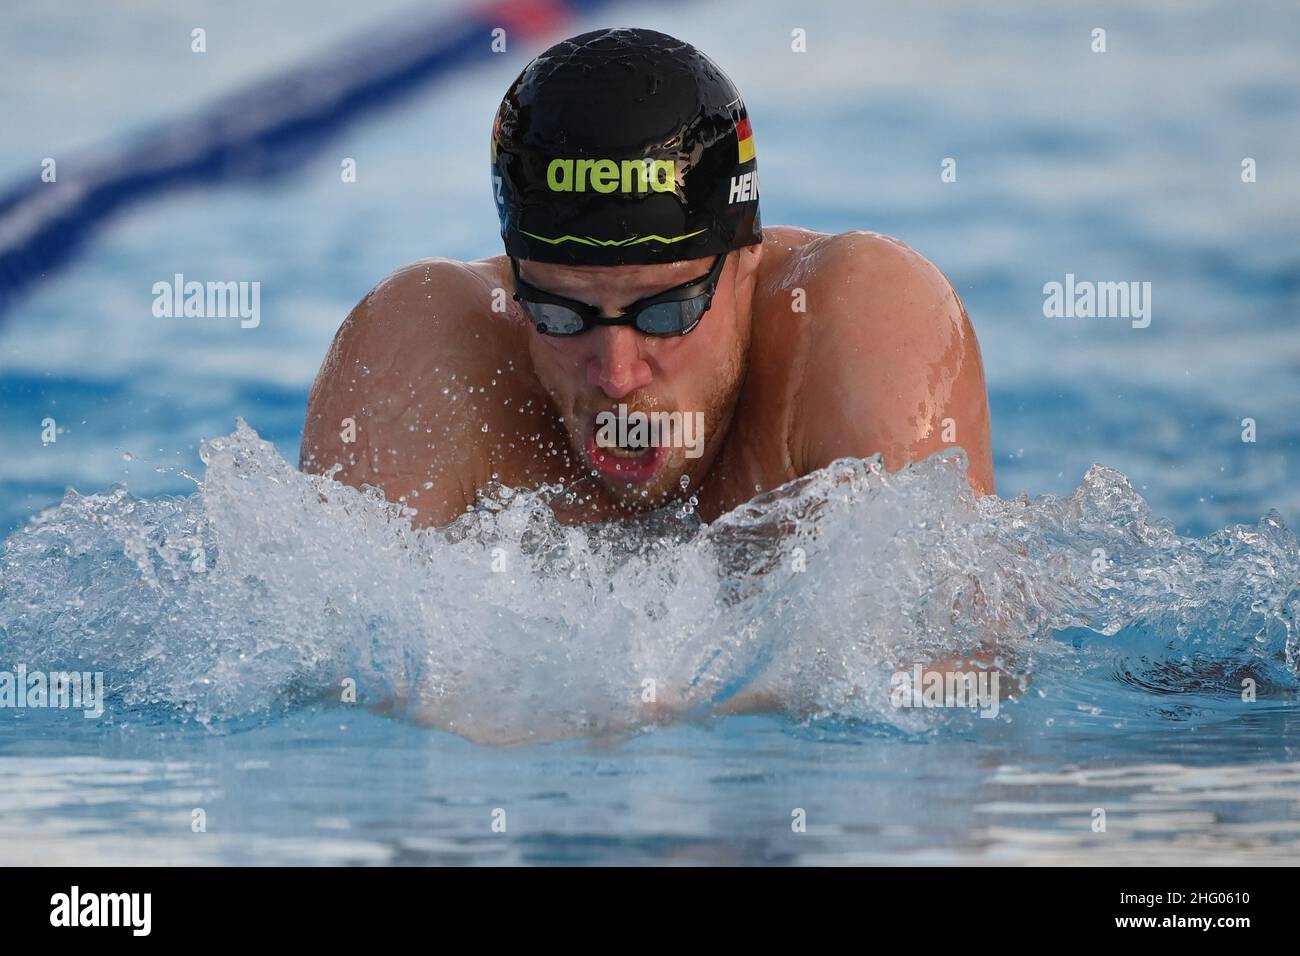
611, 175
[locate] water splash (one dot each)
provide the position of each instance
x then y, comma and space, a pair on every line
268, 588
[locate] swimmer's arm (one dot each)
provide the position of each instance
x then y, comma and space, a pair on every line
1012, 682
893, 365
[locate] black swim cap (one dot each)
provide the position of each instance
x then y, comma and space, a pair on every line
624, 147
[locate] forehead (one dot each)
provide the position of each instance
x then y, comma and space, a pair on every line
650, 278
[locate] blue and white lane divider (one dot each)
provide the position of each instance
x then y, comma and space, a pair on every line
263, 130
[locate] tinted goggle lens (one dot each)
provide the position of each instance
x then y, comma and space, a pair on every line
672, 318
663, 318
552, 319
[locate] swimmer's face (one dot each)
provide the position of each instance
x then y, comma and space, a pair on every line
698, 374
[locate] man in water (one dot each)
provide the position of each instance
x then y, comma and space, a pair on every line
639, 287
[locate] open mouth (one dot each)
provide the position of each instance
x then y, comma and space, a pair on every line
633, 462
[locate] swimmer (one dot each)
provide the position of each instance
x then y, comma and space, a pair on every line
640, 297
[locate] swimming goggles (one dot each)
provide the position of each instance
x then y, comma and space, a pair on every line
674, 311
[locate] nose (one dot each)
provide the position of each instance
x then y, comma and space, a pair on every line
615, 364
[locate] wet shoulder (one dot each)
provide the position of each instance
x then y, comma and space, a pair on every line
438, 310
821, 290
799, 263
427, 326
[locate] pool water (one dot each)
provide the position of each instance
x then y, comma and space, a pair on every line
1137, 570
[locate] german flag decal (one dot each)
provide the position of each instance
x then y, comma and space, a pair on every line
745, 140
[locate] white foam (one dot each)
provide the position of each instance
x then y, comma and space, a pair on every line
268, 587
